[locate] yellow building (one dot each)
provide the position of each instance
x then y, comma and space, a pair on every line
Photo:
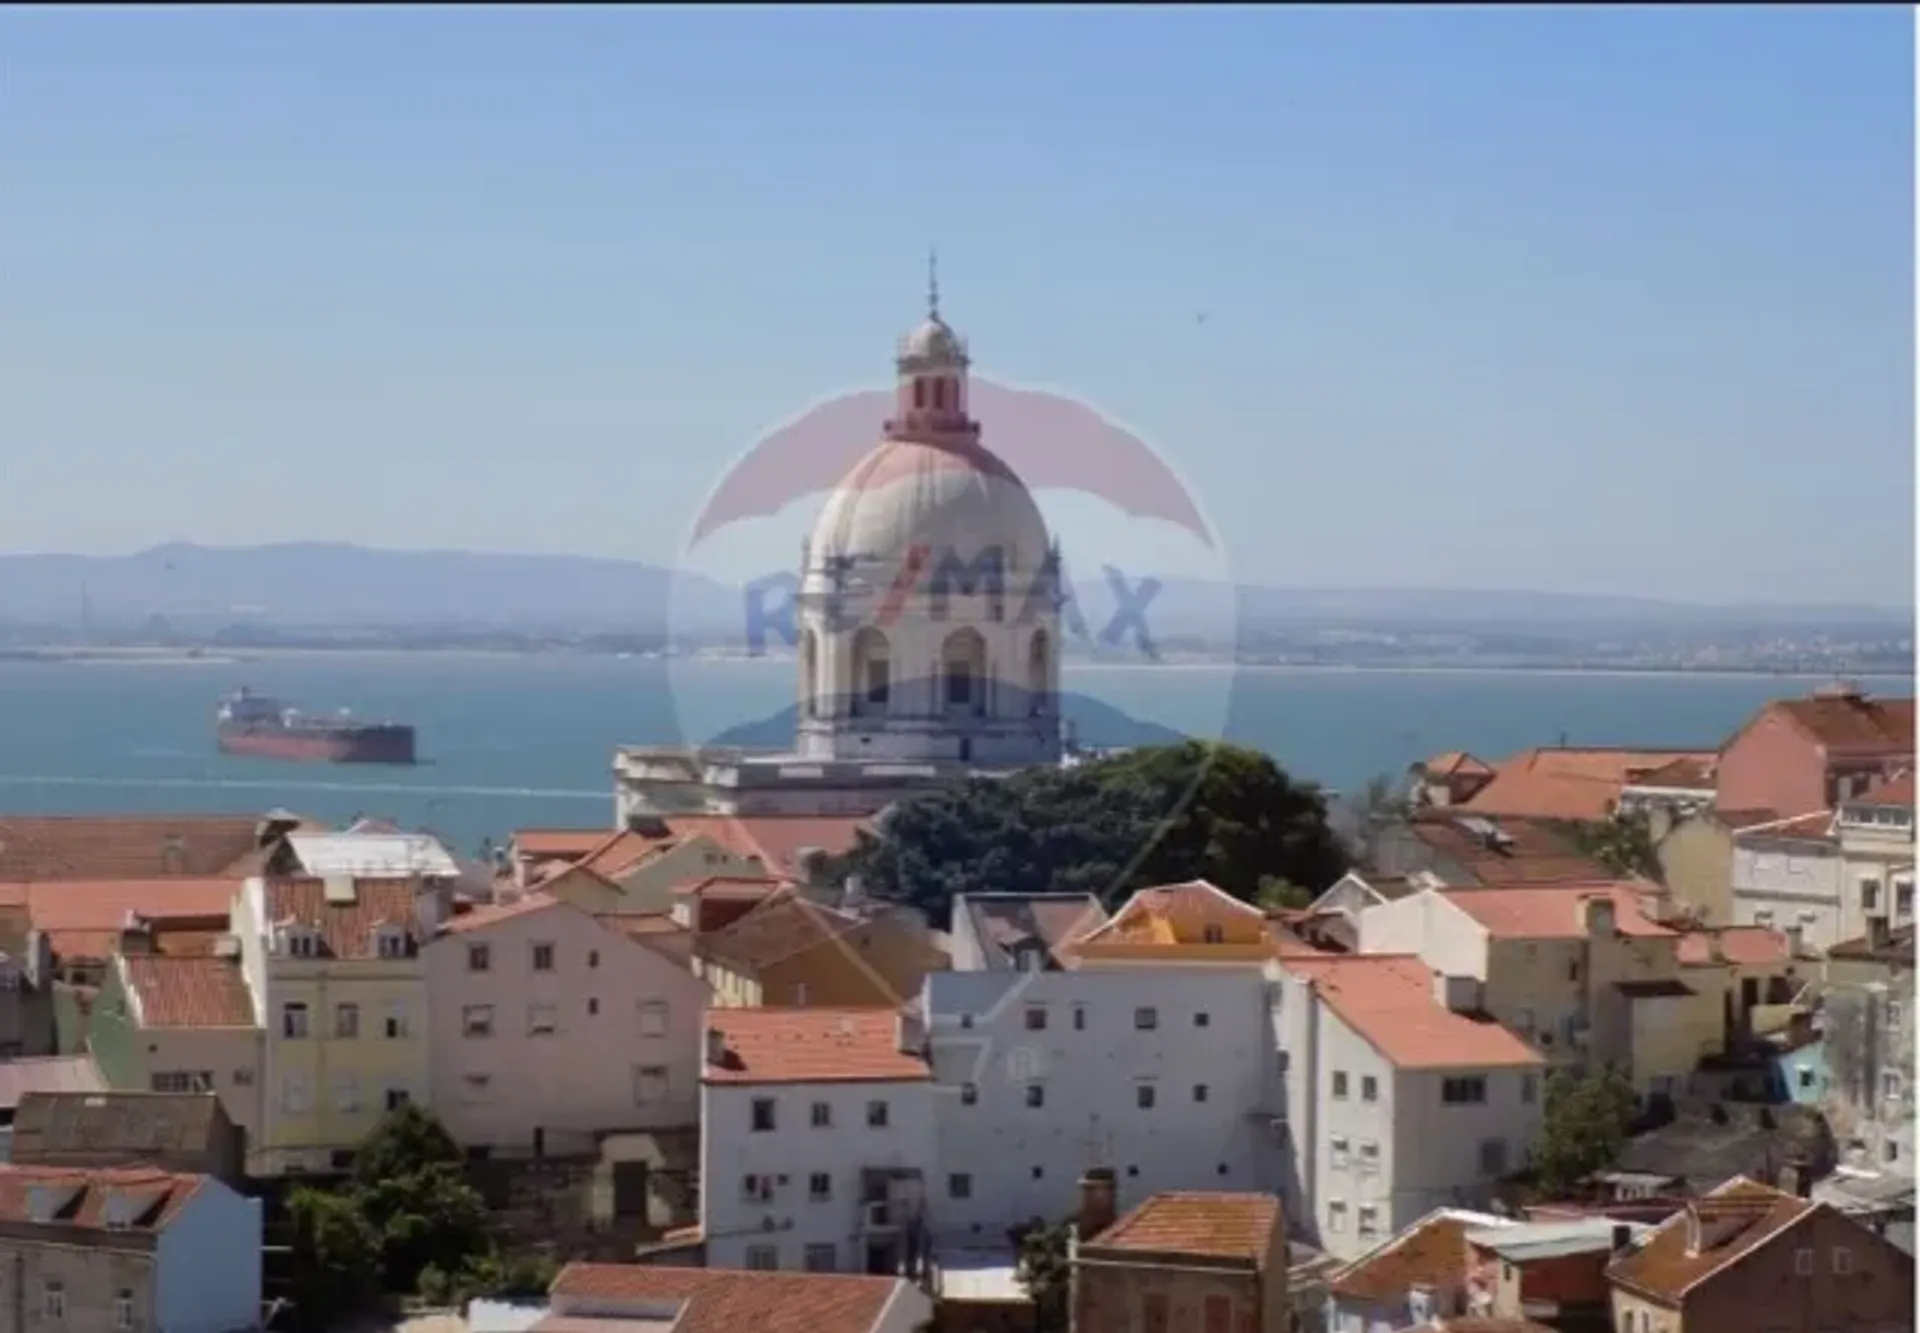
334, 968
1177, 923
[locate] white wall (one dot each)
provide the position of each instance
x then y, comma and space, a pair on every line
1796, 887
584, 1077
1432, 929
792, 1152
1024, 1161
1437, 1146
963, 945
1349, 1182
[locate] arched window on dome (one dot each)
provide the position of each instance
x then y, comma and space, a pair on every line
810, 673
1039, 670
965, 661
872, 685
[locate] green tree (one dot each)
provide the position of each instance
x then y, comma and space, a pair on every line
1156, 815
1586, 1120
336, 1258
1042, 1265
409, 1184
1623, 844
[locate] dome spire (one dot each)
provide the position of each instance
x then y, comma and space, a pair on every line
933, 283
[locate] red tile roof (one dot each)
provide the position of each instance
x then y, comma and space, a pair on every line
346, 929
1388, 999
82, 1198
1856, 726
1814, 827
188, 992
776, 840
492, 914
1732, 1221
1554, 911
1455, 763
1508, 851
1687, 773
84, 918
101, 847
1743, 946
1432, 1252
812, 1046
720, 1300
1564, 783
1896, 790
1208, 1225
569, 843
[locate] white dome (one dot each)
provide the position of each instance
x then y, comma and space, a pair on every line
957, 500
933, 341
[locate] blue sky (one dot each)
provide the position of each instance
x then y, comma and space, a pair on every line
1597, 300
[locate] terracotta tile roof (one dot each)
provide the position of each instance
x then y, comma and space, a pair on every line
1853, 726
569, 843
1731, 1222
1897, 948
1209, 1225
619, 852
1432, 1252
81, 1198
492, 914
107, 904
1516, 851
346, 930
48, 1073
188, 992
776, 841
1896, 790
1554, 911
656, 931
811, 1046
1563, 783
1195, 920
100, 847
741, 887
1687, 773
785, 924
720, 1300
1814, 827
1002, 922
1743, 946
1455, 763
1388, 999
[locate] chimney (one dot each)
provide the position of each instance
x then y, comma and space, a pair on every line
1796, 1178
1622, 1237
1098, 1205
136, 935
1460, 995
716, 1046
908, 1033
1596, 915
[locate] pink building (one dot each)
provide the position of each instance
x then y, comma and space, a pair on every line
549, 1028
1797, 756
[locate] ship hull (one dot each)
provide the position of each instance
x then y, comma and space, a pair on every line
363, 745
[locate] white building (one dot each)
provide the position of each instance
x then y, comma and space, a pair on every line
546, 1029
1786, 875
1876, 839
928, 623
817, 1128
1018, 932
1165, 1075
1399, 1098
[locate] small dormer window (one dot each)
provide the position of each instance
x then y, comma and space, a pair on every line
302, 943
390, 942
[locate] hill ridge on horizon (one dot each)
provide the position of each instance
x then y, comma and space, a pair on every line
319, 582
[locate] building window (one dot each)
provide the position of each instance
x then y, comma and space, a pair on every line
123, 1308
1036, 1095
390, 943
969, 1094
1199, 1092
1369, 1220
346, 1021
820, 1187
397, 1098
543, 958
346, 1094
1079, 1018
1143, 1096
649, 1085
1529, 1090
1893, 1015
1493, 1157
1903, 898
539, 1020
1369, 1154
959, 1185
1213, 935
763, 1258
476, 1020
763, 1119
1890, 1150
1369, 1088
756, 1189
1337, 1215
1869, 894
54, 1302
479, 958
821, 1115
1219, 1314
1202, 1019
1890, 1084
396, 1021
653, 1018
1467, 1091
303, 943
1146, 1019
593, 958
1842, 1260
1340, 1084
1038, 1173
876, 1115
1803, 1262
182, 1080
1036, 1018
822, 1258
293, 1020
1337, 1151
294, 1098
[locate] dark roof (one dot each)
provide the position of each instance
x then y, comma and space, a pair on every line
1896, 948
51, 1127
1505, 851
1003, 922
1704, 1153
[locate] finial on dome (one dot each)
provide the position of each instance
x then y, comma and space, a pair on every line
933, 283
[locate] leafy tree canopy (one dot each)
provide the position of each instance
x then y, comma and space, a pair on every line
336, 1257
1044, 1269
1623, 844
1587, 1119
1155, 815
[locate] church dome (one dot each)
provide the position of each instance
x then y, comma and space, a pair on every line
933, 341
956, 499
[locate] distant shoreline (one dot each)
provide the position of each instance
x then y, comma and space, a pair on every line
229, 658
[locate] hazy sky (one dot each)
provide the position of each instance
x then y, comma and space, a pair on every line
1612, 300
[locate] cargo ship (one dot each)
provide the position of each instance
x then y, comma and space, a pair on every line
254, 724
